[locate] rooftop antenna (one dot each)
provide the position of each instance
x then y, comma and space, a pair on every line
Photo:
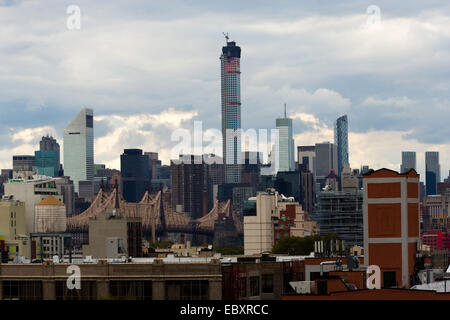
285, 111
226, 36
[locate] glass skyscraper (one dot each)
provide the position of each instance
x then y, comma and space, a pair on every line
285, 144
47, 159
47, 162
341, 141
408, 161
135, 174
432, 172
79, 148
231, 110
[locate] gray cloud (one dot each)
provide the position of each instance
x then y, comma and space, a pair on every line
139, 57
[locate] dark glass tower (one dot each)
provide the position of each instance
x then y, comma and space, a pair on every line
231, 110
341, 141
135, 174
432, 172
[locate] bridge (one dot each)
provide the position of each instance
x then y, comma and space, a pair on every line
156, 213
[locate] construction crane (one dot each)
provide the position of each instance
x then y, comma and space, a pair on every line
226, 36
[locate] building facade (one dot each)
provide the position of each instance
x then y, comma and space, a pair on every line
190, 186
408, 161
432, 172
23, 163
47, 162
135, 174
231, 110
285, 145
326, 159
306, 158
112, 223
341, 142
79, 148
391, 224
155, 280
31, 192
268, 218
342, 213
13, 228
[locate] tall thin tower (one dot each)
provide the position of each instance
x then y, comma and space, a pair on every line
341, 141
231, 110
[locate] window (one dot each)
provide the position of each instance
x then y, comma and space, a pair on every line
267, 283
22, 290
322, 287
187, 290
389, 279
88, 291
254, 286
242, 286
130, 289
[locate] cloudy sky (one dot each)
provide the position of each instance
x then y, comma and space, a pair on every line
149, 67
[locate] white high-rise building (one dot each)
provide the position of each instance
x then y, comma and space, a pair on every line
79, 148
285, 145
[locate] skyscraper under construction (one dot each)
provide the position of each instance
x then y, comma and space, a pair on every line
231, 110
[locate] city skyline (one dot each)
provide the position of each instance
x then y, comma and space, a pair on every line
315, 101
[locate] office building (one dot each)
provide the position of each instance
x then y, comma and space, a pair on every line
135, 174
364, 169
288, 184
79, 148
341, 142
13, 228
432, 172
284, 145
67, 191
31, 192
154, 164
231, 110
47, 162
23, 163
306, 158
251, 168
190, 186
326, 159
307, 190
98, 168
435, 212
112, 234
241, 193
48, 143
408, 161
5, 175
391, 224
263, 217
47, 159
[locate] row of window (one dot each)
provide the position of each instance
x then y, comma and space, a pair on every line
118, 289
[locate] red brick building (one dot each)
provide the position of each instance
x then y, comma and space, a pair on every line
391, 224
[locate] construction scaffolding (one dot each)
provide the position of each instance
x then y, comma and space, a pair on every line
341, 213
